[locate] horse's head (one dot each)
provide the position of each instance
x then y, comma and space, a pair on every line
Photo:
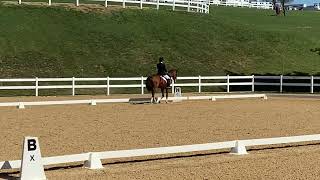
173, 73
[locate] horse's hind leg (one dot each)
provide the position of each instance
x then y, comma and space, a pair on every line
162, 92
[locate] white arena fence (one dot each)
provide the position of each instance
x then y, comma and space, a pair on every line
201, 6
93, 159
199, 82
242, 3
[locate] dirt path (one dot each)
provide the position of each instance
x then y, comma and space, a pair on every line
70, 129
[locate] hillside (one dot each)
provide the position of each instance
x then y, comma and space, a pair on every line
59, 42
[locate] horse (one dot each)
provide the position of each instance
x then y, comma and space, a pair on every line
155, 81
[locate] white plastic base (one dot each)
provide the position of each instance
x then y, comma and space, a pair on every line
94, 162
21, 105
93, 103
239, 149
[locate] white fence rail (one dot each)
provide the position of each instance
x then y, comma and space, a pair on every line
288, 81
21, 105
16, 164
201, 6
107, 83
241, 3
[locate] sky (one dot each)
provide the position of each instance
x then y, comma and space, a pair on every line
308, 2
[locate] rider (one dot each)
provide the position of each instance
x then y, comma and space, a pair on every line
162, 71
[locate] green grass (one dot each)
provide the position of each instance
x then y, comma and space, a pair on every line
57, 42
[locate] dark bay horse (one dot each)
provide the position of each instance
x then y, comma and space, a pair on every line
155, 81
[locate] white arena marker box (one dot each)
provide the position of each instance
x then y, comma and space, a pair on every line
31, 164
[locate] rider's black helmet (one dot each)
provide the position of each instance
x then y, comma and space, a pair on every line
161, 59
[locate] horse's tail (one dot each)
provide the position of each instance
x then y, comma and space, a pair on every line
149, 83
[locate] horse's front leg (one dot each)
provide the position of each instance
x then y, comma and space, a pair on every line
166, 95
153, 99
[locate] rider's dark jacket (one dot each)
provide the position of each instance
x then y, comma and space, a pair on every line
161, 69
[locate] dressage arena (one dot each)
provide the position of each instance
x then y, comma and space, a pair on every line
72, 129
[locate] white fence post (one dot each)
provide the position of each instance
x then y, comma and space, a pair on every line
197, 7
37, 86
157, 4
19, 2
228, 84
49, 2
124, 4
252, 88
173, 4
77, 2
199, 84
140, 4
188, 5
142, 87
311, 87
108, 86
172, 87
73, 86
106, 3
281, 82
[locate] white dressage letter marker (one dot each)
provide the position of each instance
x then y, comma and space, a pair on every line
31, 164
177, 92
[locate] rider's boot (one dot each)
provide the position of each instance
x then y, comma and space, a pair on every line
168, 83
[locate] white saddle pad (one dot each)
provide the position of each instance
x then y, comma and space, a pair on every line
164, 78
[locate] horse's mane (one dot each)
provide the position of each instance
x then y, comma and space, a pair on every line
171, 70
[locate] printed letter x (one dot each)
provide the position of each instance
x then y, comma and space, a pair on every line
32, 158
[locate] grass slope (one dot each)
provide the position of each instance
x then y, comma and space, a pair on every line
57, 42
